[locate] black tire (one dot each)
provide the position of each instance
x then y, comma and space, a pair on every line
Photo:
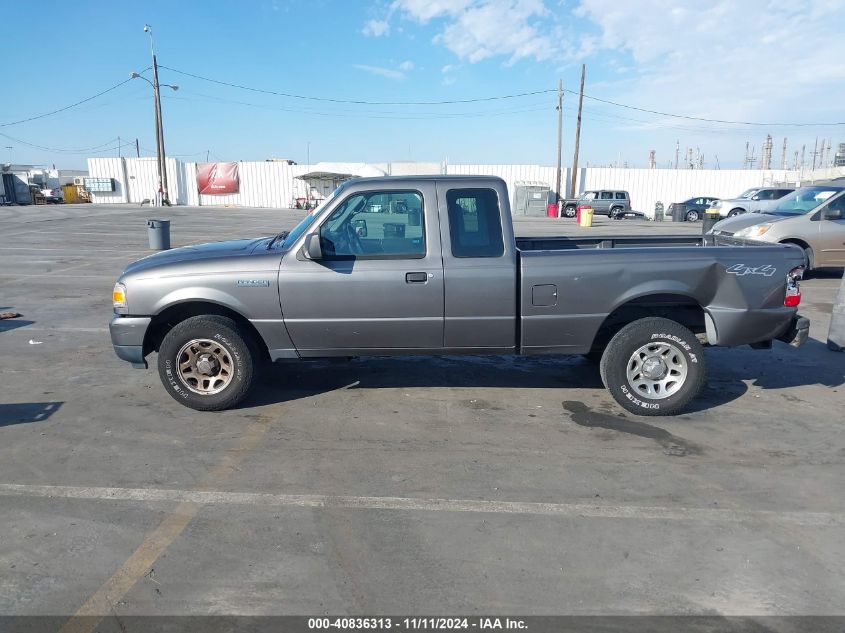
569, 212
693, 215
683, 351
224, 341
809, 260
616, 213
735, 212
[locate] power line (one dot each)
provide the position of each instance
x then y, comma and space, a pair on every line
493, 98
355, 101
695, 118
72, 105
82, 150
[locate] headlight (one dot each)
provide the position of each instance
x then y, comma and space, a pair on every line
119, 296
754, 231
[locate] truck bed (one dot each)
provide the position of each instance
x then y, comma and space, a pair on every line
562, 243
570, 287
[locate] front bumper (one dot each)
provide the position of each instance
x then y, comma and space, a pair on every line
797, 332
127, 337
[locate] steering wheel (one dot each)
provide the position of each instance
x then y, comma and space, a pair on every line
353, 242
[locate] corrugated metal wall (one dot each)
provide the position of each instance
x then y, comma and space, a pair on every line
274, 185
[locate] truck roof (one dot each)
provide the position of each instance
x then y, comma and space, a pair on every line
425, 177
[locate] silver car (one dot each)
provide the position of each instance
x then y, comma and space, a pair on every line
755, 199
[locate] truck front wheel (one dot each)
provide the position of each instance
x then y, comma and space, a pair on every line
569, 211
205, 363
653, 366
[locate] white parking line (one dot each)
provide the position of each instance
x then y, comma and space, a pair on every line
570, 510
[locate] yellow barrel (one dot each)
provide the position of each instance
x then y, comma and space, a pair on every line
586, 216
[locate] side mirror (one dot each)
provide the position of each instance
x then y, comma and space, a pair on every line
312, 248
833, 214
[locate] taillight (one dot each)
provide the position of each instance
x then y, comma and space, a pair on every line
793, 287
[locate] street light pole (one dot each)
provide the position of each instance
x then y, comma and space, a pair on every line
161, 162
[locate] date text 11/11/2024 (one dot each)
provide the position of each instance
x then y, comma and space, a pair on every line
416, 623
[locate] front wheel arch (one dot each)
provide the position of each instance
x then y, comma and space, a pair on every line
174, 314
809, 256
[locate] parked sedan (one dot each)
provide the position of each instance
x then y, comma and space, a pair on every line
695, 207
758, 199
812, 218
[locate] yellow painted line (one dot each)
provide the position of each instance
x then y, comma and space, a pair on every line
101, 603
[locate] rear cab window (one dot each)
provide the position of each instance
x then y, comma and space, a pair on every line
475, 223
621, 195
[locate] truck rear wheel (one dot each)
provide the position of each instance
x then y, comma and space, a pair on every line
205, 363
653, 366
569, 211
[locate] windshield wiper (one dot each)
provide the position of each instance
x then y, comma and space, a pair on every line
280, 236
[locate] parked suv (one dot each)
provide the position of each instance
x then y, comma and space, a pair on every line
610, 202
757, 199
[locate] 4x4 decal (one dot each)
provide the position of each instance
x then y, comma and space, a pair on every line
767, 270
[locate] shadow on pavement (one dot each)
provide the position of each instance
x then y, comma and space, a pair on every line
24, 412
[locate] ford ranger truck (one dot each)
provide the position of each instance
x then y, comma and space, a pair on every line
428, 265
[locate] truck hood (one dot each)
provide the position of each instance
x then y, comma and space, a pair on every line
729, 226
196, 252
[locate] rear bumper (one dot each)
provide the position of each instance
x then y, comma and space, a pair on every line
127, 337
797, 332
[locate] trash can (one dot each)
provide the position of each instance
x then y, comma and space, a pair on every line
711, 216
679, 212
586, 219
658, 211
551, 210
158, 231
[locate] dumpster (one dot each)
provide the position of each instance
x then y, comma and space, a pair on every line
585, 218
158, 232
711, 216
679, 212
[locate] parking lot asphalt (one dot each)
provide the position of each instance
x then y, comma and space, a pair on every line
422, 485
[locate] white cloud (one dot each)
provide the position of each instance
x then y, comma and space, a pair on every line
389, 73
406, 66
753, 60
480, 29
376, 28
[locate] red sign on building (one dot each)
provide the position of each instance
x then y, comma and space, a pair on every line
217, 178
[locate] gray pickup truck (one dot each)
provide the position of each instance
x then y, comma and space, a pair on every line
430, 265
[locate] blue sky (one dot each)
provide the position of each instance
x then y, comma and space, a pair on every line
757, 61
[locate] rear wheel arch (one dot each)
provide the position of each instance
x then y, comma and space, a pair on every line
677, 307
176, 313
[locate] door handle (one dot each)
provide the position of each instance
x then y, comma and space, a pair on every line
416, 278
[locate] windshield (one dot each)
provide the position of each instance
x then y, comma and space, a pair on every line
803, 200
308, 220
748, 193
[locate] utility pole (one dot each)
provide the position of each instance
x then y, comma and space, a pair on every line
815, 152
677, 152
207, 152
559, 136
578, 133
795, 161
717, 161
118, 148
783, 155
9, 147
137, 149
652, 159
